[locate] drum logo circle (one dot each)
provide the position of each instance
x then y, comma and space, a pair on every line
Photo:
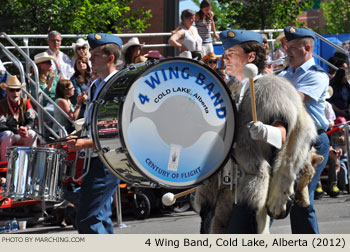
178, 123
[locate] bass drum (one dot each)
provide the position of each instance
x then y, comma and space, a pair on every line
169, 123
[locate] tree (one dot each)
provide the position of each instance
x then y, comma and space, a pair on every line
258, 14
71, 16
337, 15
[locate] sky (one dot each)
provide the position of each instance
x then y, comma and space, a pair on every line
187, 4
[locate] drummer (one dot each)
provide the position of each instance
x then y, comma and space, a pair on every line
98, 186
17, 118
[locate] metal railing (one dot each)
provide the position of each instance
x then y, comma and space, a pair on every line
339, 48
269, 33
39, 92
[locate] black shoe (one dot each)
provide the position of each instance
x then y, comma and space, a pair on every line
318, 193
334, 191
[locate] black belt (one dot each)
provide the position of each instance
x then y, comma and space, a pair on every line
320, 131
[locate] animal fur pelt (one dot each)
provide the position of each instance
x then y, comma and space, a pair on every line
301, 196
267, 175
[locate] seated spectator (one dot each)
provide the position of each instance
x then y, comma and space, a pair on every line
47, 78
152, 55
17, 118
341, 94
81, 50
63, 66
81, 77
131, 50
64, 91
211, 60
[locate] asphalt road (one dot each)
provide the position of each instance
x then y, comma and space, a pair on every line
333, 216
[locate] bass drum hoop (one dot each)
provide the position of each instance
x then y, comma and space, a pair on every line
94, 127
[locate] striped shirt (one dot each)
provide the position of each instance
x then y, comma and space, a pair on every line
204, 30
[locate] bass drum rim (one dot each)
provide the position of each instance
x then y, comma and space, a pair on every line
96, 141
130, 160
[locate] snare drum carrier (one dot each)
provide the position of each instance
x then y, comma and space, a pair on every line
170, 123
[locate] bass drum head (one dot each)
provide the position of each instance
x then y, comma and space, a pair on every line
177, 123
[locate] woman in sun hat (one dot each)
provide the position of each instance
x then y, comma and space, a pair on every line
81, 49
132, 50
211, 59
47, 78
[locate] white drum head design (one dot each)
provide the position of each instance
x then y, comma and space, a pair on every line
178, 123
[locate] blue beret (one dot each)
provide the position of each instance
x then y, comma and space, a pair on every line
230, 38
292, 32
98, 39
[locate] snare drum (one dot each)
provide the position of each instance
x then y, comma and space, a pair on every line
34, 173
74, 168
170, 123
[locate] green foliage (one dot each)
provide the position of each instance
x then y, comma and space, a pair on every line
259, 14
71, 16
337, 15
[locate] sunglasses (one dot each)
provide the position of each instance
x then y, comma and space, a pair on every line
81, 48
212, 61
47, 63
12, 90
70, 87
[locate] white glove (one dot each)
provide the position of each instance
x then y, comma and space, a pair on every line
270, 134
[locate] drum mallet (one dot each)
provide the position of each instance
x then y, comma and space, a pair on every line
169, 198
250, 71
